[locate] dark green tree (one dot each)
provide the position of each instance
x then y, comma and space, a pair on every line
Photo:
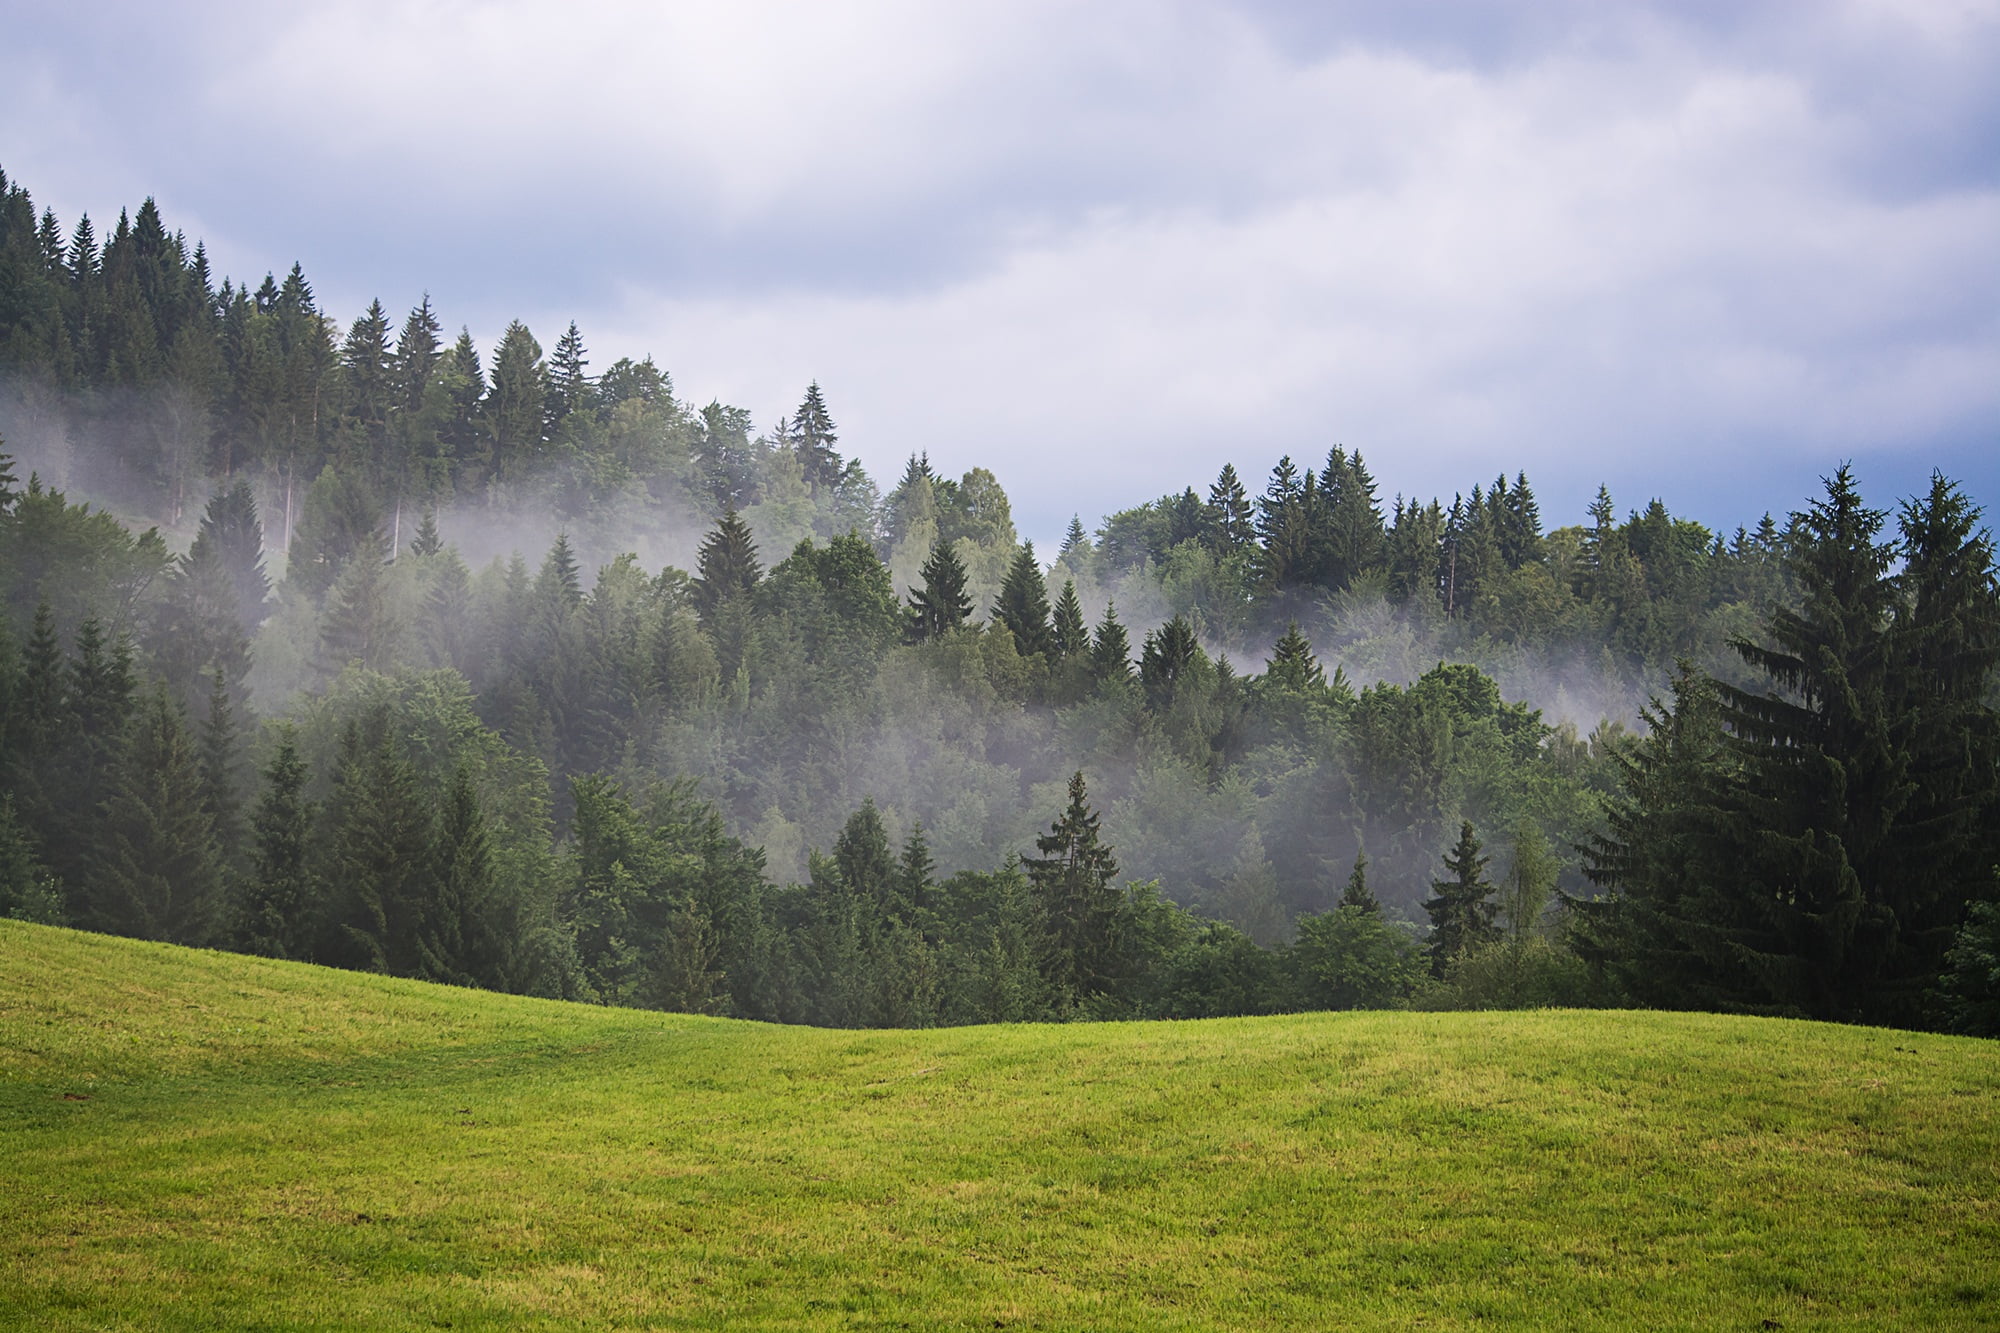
1357, 894
942, 604
1073, 883
154, 873
1234, 526
280, 889
1171, 659
1462, 909
812, 438
727, 568
1023, 605
1110, 650
1068, 635
1292, 666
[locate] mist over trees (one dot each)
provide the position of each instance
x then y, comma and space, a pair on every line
374, 649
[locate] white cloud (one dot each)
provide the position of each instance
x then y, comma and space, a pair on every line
1118, 243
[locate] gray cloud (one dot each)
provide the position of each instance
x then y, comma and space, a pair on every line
1704, 251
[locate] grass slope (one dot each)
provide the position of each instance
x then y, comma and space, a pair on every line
197, 1140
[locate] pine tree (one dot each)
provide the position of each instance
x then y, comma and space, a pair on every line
452, 921
1023, 605
813, 438
377, 857
1168, 661
1354, 534
1462, 910
1521, 525
279, 888
1944, 645
1357, 894
153, 872
559, 584
360, 624
515, 410
727, 566
1068, 635
1292, 666
1234, 526
915, 876
865, 860
569, 386
1075, 539
942, 604
220, 798
230, 525
1110, 650
364, 361
427, 541
1823, 779
1073, 883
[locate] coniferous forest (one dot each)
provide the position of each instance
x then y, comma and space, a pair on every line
365, 645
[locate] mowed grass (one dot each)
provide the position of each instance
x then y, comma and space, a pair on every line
198, 1140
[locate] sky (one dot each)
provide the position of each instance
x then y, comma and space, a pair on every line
1701, 251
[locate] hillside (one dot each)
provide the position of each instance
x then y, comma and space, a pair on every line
192, 1139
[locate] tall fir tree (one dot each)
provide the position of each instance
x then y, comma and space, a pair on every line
1461, 907
1023, 605
1073, 881
154, 873
942, 604
813, 438
1110, 650
280, 888
1069, 637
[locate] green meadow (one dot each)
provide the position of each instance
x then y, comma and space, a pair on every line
194, 1140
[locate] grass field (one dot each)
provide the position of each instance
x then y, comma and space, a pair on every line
197, 1140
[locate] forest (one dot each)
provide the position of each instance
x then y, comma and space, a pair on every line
369, 647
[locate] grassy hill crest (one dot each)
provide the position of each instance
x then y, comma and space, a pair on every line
192, 1139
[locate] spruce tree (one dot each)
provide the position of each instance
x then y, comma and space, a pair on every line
1292, 666
813, 438
727, 568
1462, 910
427, 541
942, 604
1023, 605
1944, 645
1080, 904
360, 624
514, 411
279, 889
1068, 635
230, 524
1110, 650
1234, 526
1357, 894
153, 871
1168, 661
1075, 539
866, 862
569, 387
219, 748
1823, 780
452, 919
915, 876
378, 856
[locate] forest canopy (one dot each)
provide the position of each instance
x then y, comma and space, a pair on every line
369, 646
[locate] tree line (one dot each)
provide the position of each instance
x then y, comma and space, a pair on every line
586, 778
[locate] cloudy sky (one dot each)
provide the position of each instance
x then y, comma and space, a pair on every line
1703, 250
